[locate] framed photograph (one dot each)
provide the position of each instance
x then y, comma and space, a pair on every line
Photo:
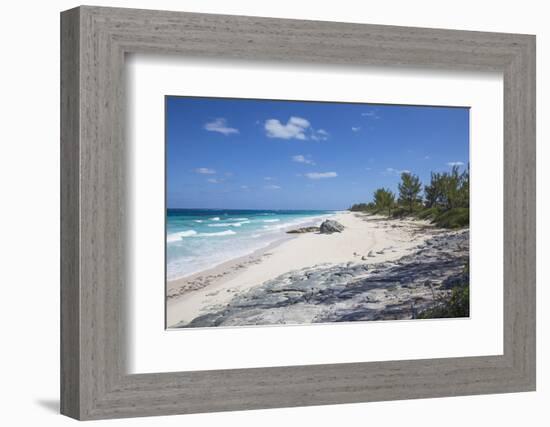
262, 213
264, 220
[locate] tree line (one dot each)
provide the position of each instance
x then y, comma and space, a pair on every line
445, 200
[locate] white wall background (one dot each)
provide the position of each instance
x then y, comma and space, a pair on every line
29, 224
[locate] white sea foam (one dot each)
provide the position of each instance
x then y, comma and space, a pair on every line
198, 220
216, 218
271, 220
278, 226
176, 237
221, 233
295, 223
229, 224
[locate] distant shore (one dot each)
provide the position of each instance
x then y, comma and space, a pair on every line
365, 241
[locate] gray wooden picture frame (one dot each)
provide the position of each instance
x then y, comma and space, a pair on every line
94, 381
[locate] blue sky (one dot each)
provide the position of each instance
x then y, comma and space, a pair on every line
263, 154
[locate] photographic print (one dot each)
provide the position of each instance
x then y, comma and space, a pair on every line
283, 212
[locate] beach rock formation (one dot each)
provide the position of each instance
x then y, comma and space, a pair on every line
400, 289
329, 226
304, 230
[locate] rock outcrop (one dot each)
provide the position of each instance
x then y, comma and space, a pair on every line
329, 226
303, 230
397, 289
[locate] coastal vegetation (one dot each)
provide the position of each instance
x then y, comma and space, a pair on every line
444, 200
384, 200
458, 305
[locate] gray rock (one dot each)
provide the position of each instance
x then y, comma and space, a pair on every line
329, 226
400, 289
303, 230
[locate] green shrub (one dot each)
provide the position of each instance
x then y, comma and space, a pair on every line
361, 207
399, 212
429, 213
453, 218
458, 305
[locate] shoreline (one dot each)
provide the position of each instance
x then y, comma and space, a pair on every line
365, 240
226, 270
178, 286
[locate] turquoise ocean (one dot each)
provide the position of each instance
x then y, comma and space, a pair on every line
199, 239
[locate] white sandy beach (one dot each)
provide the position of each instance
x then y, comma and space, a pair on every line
365, 239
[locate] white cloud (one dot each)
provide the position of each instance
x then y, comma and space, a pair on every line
213, 181
455, 164
300, 158
294, 129
393, 171
356, 128
268, 178
244, 187
321, 175
220, 125
427, 157
299, 121
272, 187
205, 171
371, 114
319, 135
